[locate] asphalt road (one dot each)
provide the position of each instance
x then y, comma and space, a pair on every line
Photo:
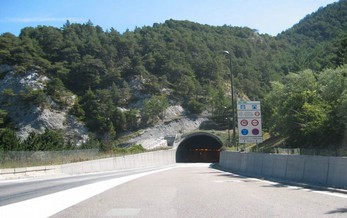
195, 190
13, 191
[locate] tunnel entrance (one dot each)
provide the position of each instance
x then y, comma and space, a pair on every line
199, 147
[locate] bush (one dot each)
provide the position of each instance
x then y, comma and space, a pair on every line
195, 107
106, 146
9, 140
49, 140
134, 149
3, 117
92, 143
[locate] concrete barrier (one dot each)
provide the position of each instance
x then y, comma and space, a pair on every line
315, 170
148, 159
267, 166
14, 173
337, 176
279, 165
257, 164
295, 168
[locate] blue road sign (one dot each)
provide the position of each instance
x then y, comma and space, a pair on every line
244, 132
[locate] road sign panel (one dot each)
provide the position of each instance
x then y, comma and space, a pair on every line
250, 139
249, 116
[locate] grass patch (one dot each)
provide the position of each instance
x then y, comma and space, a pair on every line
45, 158
134, 149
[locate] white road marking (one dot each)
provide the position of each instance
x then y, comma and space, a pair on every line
51, 204
331, 193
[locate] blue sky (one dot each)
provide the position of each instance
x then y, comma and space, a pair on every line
267, 16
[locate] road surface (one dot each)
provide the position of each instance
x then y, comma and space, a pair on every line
13, 191
188, 190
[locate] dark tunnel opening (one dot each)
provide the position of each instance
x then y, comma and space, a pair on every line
199, 148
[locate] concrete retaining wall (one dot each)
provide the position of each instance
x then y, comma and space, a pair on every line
148, 159
316, 170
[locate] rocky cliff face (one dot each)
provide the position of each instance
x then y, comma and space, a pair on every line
175, 124
30, 117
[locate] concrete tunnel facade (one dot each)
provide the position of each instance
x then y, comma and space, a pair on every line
199, 147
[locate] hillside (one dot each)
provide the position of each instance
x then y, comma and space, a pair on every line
316, 40
125, 82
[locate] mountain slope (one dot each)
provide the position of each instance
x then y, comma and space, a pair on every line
123, 82
316, 40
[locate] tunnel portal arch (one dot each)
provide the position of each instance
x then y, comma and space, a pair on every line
199, 147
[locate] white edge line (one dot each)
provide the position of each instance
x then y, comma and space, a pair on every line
292, 187
51, 204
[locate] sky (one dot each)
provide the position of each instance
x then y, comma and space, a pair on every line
266, 16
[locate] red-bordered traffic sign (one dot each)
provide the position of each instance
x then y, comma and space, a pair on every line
244, 122
257, 113
255, 122
255, 131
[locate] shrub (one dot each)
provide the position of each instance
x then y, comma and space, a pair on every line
49, 140
195, 107
9, 140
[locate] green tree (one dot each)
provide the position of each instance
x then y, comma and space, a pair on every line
3, 116
303, 108
342, 52
342, 109
116, 95
9, 140
49, 140
56, 89
332, 83
195, 107
132, 117
87, 73
89, 105
153, 108
126, 94
8, 45
120, 120
220, 105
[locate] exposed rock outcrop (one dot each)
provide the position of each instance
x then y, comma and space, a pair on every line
30, 117
176, 123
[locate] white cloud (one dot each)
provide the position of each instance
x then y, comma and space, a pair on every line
42, 19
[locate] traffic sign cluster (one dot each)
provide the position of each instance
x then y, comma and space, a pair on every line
249, 120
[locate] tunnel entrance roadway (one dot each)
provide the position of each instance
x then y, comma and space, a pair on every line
199, 147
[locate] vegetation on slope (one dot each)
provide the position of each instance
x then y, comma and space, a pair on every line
183, 62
